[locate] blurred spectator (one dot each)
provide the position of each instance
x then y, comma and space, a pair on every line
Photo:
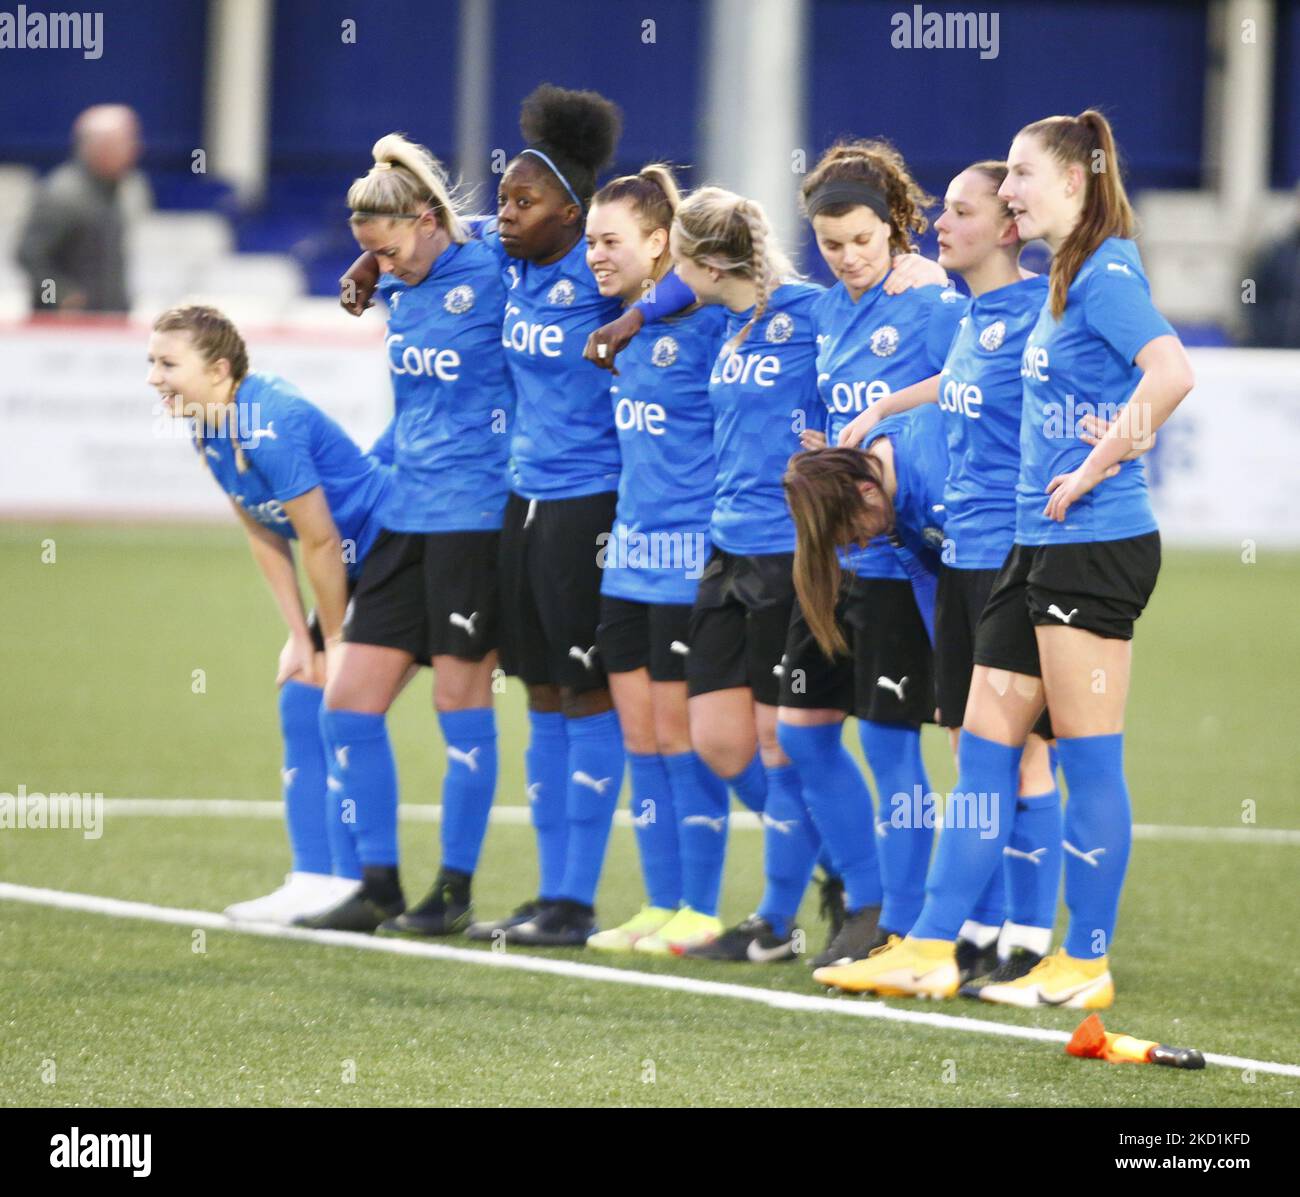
1273, 320
76, 232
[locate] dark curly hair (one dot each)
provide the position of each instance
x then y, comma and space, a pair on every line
577, 130
880, 165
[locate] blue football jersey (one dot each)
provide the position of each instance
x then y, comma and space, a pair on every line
564, 443
282, 446
452, 395
980, 396
869, 349
921, 472
659, 544
763, 394
1083, 365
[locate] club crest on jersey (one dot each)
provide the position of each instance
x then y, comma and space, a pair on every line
562, 294
933, 536
884, 340
664, 352
459, 299
780, 328
993, 336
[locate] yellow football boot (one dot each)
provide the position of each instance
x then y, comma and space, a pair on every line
646, 921
902, 968
688, 929
1058, 980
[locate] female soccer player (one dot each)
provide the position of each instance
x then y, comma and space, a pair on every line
565, 463
652, 564
979, 397
291, 474
761, 387
751, 393
428, 592
1058, 624
864, 207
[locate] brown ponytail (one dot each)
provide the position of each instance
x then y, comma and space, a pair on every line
821, 488
653, 195
1087, 140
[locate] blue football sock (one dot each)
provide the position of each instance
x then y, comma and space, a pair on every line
654, 816
750, 785
991, 909
596, 761
1032, 861
893, 752
469, 786
840, 805
977, 825
340, 815
701, 804
369, 774
303, 777
1097, 837
546, 765
790, 847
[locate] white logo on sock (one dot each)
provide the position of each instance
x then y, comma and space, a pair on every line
458, 620
1035, 857
534, 791
287, 775
600, 785
468, 759
1090, 857
888, 683
585, 657
341, 755
784, 826
1061, 615
704, 821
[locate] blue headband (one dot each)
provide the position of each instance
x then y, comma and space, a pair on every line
555, 170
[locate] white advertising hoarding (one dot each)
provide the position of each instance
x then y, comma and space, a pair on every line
82, 435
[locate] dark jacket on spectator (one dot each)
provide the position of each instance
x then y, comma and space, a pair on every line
75, 237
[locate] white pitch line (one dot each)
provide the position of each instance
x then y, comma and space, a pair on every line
774, 998
231, 808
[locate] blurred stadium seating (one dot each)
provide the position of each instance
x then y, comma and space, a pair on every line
263, 250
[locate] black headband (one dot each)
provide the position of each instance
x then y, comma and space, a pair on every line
847, 191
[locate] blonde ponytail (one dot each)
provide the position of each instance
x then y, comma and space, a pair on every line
731, 234
405, 180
